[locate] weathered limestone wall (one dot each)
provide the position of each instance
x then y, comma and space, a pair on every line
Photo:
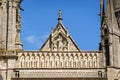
9, 25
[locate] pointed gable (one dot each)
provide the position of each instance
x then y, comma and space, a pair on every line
59, 39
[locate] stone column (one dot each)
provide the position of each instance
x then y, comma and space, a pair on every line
10, 27
4, 24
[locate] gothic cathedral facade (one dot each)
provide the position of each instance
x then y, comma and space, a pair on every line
59, 58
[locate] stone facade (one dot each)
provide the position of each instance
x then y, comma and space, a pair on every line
59, 58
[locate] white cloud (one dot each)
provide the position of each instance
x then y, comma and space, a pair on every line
31, 39
45, 36
36, 41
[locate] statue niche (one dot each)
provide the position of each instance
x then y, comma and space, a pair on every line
59, 43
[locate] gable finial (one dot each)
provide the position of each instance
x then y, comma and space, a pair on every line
59, 15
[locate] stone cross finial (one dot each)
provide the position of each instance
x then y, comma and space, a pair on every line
60, 14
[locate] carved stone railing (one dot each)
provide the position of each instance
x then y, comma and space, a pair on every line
60, 73
38, 59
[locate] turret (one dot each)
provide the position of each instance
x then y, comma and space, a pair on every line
10, 25
110, 31
110, 36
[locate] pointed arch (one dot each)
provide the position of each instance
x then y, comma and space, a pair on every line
90, 61
52, 61
62, 61
42, 61
81, 61
71, 59
76, 61
22, 61
37, 60
85, 65
27, 61
66, 61
95, 61
47, 61
57, 61
32, 60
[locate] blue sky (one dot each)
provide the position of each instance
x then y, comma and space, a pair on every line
79, 16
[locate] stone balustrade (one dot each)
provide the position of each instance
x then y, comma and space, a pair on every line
44, 59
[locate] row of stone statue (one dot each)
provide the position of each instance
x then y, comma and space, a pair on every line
59, 61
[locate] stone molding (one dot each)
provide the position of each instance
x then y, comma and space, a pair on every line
60, 73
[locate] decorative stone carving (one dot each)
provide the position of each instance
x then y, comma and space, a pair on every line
59, 43
11, 63
59, 40
60, 73
59, 60
2, 64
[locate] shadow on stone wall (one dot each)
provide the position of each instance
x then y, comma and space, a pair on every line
1, 77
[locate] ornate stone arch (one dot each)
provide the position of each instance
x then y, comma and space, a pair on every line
27, 61
57, 61
76, 61
95, 61
52, 60
32, 61
42, 61
22, 61
85, 60
66, 61
90, 61
37, 59
71, 59
47, 61
81, 60
62, 61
